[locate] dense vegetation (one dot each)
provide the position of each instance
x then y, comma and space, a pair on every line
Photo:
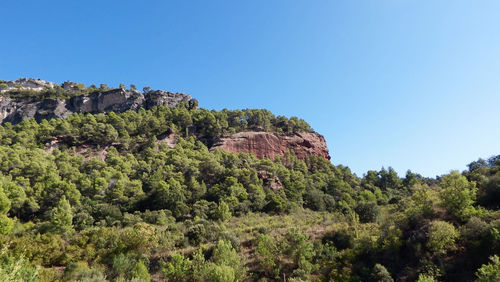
98, 197
56, 92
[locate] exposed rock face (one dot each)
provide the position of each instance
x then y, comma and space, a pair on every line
269, 145
170, 139
118, 100
27, 84
272, 182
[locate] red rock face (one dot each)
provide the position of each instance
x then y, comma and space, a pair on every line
269, 145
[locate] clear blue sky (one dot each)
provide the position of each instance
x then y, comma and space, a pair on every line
408, 84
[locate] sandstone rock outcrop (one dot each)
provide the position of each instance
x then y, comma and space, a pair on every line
15, 110
269, 145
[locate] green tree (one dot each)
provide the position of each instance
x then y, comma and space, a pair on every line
489, 272
441, 236
425, 278
223, 213
268, 253
178, 269
219, 273
367, 211
140, 271
381, 274
4, 202
458, 195
225, 256
301, 251
6, 224
16, 268
62, 217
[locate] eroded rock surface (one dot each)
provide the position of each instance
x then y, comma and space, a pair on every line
270, 145
34, 84
15, 110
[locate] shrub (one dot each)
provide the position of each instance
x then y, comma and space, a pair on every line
267, 252
489, 272
367, 211
178, 269
16, 268
381, 274
80, 271
225, 256
140, 271
441, 236
425, 278
458, 195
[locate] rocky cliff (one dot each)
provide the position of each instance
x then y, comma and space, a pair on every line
33, 98
269, 145
15, 109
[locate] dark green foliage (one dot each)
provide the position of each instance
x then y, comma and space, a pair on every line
52, 93
367, 211
105, 197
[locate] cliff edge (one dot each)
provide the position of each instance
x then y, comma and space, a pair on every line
270, 145
16, 105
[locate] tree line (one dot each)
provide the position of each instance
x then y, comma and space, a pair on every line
129, 207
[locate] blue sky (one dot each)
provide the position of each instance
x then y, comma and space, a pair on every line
408, 84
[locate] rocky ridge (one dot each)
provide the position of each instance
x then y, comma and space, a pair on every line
262, 144
15, 110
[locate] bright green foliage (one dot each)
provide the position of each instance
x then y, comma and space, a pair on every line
268, 253
380, 274
420, 203
140, 272
178, 269
14, 192
16, 268
223, 212
62, 217
458, 195
202, 215
6, 224
489, 272
4, 202
220, 273
425, 278
441, 237
224, 265
301, 251
226, 258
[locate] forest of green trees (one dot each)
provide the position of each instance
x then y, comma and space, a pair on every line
147, 212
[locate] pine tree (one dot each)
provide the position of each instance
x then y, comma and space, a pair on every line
6, 224
140, 272
62, 218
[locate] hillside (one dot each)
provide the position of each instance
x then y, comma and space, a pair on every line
104, 184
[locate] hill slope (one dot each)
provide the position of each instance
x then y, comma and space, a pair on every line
159, 193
